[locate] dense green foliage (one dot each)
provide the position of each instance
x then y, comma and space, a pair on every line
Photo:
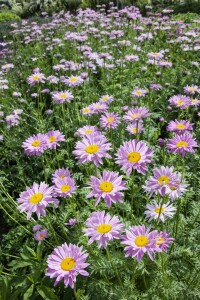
46, 44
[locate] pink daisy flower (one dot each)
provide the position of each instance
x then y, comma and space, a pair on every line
64, 187
163, 240
192, 89
36, 199
139, 241
135, 128
195, 102
182, 144
36, 144
92, 149
138, 93
165, 182
136, 114
98, 107
41, 235
179, 126
154, 211
61, 97
155, 55
101, 227
60, 174
36, 78
86, 111
53, 138
108, 186
180, 101
73, 80
134, 155
132, 57
87, 130
66, 262
106, 99
110, 120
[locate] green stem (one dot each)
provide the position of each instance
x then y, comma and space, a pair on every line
115, 270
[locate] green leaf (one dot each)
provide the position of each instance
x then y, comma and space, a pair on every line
20, 264
46, 293
28, 293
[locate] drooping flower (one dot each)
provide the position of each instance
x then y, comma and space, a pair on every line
155, 211
36, 144
64, 187
41, 235
182, 144
139, 241
60, 174
134, 155
101, 227
92, 149
110, 120
61, 97
180, 126
66, 262
36, 199
136, 113
108, 186
54, 137
163, 240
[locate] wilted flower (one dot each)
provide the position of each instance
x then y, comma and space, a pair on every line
163, 240
155, 211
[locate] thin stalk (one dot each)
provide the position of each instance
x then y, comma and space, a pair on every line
115, 270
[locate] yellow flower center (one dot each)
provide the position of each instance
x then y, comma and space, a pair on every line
52, 139
63, 96
105, 98
172, 188
180, 126
141, 241
62, 176
85, 110
36, 143
41, 236
65, 188
134, 130
98, 106
155, 54
179, 102
67, 264
160, 240
36, 198
110, 119
73, 79
159, 210
192, 89
181, 144
134, 157
163, 179
88, 131
104, 228
138, 93
135, 116
194, 101
106, 186
36, 77
92, 149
